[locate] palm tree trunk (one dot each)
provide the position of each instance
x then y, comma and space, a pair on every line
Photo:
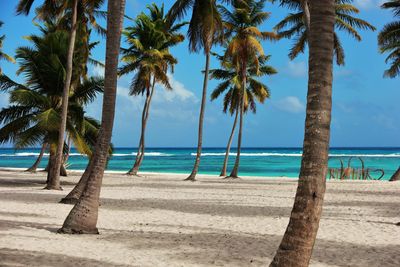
83, 216
141, 148
306, 11
52, 155
298, 242
192, 176
55, 172
75, 194
395, 176
228, 147
35, 165
235, 170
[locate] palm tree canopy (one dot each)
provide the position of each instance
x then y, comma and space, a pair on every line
293, 26
389, 40
150, 39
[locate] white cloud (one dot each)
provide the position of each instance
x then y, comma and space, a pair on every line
297, 69
290, 104
178, 92
368, 4
98, 71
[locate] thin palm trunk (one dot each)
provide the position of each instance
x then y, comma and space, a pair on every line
298, 242
35, 165
395, 176
145, 116
50, 164
192, 176
228, 147
83, 217
54, 173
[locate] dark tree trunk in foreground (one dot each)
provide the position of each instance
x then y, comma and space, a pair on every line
76, 192
83, 217
35, 165
51, 182
54, 173
395, 176
145, 116
192, 176
298, 242
228, 147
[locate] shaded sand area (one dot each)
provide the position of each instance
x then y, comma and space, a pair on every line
159, 220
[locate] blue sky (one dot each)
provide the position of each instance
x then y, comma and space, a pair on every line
365, 105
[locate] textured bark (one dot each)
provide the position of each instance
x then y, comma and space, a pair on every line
192, 176
306, 10
76, 192
298, 241
55, 172
395, 176
52, 183
63, 171
228, 147
35, 165
145, 116
83, 216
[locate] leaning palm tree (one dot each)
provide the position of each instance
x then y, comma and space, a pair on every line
83, 216
298, 241
148, 55
4, 56
244, 49
205, 30
295, 25
231, 83
52, 8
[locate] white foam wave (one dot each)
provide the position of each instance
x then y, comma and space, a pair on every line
392, 155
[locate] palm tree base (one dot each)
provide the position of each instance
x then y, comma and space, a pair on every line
231, 178
191, 178
69, 200
50, 187
71, 231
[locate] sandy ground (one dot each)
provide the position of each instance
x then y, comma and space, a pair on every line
159, 220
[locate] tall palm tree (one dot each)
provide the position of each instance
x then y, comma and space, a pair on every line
4, 56
53, 8
205, 30
244, 49
295, 25
148, 55
255, 90
83, 216
298, 241
389, 42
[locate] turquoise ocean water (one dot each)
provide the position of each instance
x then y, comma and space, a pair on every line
254, 161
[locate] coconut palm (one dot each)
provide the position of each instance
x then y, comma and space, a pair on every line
389, 40
205, 30
295, 25
148, 55
298, 241
83, 216
231, 84
52, 8
4, 56
244, 48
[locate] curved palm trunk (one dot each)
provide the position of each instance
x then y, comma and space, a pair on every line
35, 165
55, 172
83, 217
228, 147
298, 242
76, 192
235, 170
192, 176
145, 116
395, 176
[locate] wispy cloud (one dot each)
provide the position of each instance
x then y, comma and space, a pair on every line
297, 69
290, 104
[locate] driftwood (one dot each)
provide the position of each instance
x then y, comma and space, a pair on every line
350, 173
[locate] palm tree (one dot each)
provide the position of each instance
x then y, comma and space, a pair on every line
244, 49
255, 90
205, 30
2, 54
150, 40
388, 40
83, 216
53, 8
35, 165
295, 25
298, 241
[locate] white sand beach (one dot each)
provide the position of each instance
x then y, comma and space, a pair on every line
160, 220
